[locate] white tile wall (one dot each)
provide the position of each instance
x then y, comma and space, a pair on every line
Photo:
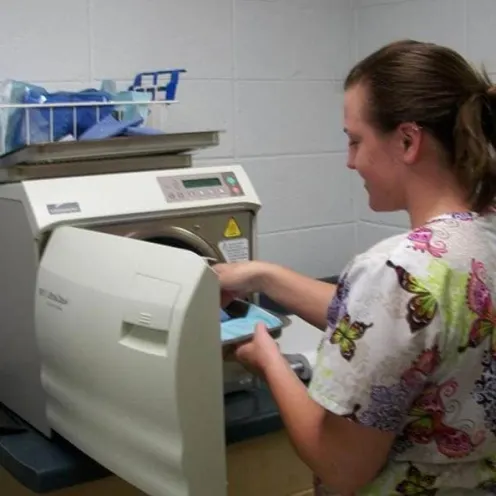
288, 117
292, 39
128, 36
205, 105
286, 193
38, 41
310, 250
370, 233
481, 20
427, 20
267, 72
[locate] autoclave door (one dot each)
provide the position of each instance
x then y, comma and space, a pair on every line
129, 336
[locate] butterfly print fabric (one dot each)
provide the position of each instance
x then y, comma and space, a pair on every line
410, 348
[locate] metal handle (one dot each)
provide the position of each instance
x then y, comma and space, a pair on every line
300, 365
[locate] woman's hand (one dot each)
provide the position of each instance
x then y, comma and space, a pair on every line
259, 353
239, 279
298, 294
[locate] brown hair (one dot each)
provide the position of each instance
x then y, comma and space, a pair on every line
435, 87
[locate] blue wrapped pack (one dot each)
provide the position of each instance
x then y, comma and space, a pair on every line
43, 123
33, 125
241, 327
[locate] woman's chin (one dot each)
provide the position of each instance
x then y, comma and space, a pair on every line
376, 205
381, 207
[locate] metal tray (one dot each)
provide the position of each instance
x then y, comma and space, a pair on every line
239, 308
119, 147
85, 168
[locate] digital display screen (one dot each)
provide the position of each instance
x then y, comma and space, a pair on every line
201, 183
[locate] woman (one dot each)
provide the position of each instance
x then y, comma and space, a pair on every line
403, 397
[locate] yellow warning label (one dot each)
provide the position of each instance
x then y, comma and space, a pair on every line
232, 229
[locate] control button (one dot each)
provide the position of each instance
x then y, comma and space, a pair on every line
172, 196
211, 192
192, 194
231, 180
180, 195
202, 193
222, 191
235, 190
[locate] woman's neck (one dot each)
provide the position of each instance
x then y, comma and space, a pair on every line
429, 199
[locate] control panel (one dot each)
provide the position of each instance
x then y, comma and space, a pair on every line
200, 186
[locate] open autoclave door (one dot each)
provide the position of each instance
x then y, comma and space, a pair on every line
129, 336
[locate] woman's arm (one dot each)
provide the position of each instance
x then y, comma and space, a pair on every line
344, 455
299, 294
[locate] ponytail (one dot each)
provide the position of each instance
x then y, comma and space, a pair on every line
475, 149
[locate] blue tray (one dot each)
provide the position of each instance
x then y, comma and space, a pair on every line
239, 320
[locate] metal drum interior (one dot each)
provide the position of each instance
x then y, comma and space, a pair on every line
201, 233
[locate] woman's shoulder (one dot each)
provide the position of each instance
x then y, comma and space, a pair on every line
449, 257
454, 240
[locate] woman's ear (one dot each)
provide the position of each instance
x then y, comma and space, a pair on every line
411, 137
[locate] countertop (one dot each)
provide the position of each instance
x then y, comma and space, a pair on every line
44, 465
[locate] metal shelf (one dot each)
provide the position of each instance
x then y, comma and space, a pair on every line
121, 154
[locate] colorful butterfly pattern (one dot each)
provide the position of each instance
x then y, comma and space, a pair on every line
417, 483
422, 307
387, 403
484, 392
414, 353
346, 334
422, 240
479, 301
428, 424
338, 303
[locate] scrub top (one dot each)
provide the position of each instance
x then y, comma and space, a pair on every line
410, 348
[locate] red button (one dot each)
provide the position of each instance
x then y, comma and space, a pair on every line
235, 190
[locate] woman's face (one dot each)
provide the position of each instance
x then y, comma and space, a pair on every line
374, 155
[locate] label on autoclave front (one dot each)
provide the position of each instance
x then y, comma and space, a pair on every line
235, 250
